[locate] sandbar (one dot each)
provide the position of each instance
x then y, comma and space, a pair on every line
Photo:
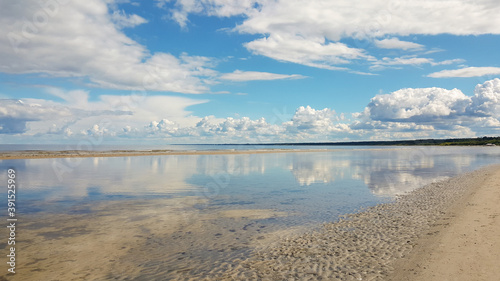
41, 154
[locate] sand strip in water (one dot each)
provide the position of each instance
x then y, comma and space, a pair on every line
41, 154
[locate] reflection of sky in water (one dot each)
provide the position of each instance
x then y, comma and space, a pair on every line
314, 185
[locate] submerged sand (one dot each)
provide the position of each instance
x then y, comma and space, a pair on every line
444, 231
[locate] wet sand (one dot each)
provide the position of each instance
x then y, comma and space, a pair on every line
160, 239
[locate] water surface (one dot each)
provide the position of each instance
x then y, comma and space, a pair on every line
194, 215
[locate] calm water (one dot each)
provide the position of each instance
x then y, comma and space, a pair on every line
215, 207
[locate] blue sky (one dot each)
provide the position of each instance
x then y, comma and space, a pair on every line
219, 71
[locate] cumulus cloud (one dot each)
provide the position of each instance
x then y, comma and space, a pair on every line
307, 124
395, 43
83, 39
210, 129
164, 126
486, 99
437, 105
432, 112
424, 104
308, 119
404, 114
240, 76
466, 72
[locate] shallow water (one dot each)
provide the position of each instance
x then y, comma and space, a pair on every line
180, 216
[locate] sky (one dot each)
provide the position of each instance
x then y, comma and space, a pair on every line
247, 71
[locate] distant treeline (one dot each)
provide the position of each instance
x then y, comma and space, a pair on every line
444, 142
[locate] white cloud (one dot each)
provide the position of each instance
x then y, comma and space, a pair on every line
77, 98
36, 116
307, 124
123, 20
164, 126
362, 73
433, 112
307, 119
309, 32
147, 108
395, 43
239, 75
446, 62
409, 60
381, 126
315, 52
403, 114
424, 104
220, 8
14, 114
466, 72
486, 99
76, 115
18, 109
82, 39
215, 130
343, 18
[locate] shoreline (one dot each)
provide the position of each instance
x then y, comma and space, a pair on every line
464, 243
391, 241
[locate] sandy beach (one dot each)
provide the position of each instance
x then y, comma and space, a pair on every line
464, 243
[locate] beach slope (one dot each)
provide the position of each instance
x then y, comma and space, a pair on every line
464, 244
